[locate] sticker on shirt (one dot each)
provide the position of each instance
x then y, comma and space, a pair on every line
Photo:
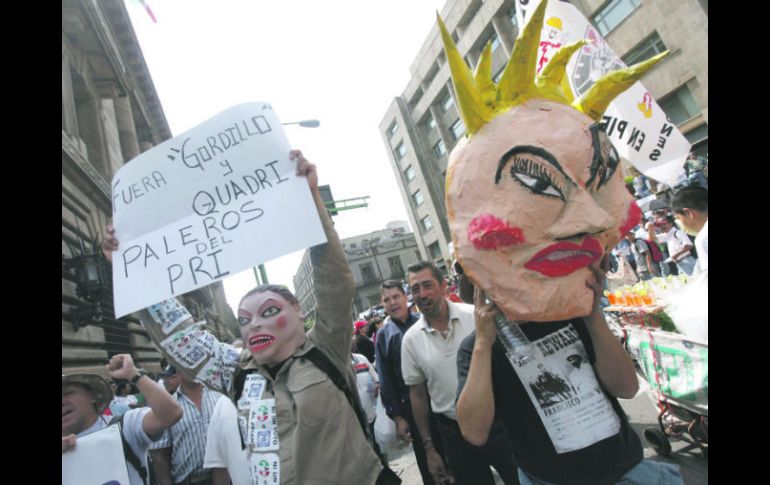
190, 346
253, 388
265, 468
566, 394
169, 314
263, 426
215, 375
243, 427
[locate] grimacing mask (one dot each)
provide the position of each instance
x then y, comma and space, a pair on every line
535, 193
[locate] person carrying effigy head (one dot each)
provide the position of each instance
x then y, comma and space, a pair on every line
296, 393
535, 201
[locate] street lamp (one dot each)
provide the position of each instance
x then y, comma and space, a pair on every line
305, 123
368, 242
92, 285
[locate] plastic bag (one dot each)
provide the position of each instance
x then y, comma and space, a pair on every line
385, 431
689, 309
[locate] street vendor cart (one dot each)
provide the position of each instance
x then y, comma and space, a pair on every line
676, 368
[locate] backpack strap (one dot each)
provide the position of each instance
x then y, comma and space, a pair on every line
128, 453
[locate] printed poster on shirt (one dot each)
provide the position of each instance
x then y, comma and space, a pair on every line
169, 314
563, 388
639, 129
265, 468
263, 426
190, 346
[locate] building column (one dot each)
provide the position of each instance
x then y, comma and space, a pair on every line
129, 143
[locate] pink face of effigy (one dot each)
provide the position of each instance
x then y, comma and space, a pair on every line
534, 198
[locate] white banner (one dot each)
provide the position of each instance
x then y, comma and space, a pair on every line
96, 460
215, 200
637, 126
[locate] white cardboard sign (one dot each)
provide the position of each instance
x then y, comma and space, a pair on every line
96, 460
638, 128
215, 200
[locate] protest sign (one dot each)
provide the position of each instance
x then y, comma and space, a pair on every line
636, 125
96, 460
215, 200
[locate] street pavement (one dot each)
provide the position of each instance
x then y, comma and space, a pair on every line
642, 413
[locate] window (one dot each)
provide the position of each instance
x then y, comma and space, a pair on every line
416, 97
680, 106
393, 128
427, 224
499, 74
434, 250
396, 269
418, 200
458, 129
409, 173
495, 41
698, 134
431, 124
400, 151
613, 12
649, 47
367, 274
419, 256
439, 148
447, 103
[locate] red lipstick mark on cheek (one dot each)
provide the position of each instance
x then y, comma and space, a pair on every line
281, 321
488, 232
634, 216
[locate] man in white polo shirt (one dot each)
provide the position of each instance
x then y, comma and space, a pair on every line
429, 366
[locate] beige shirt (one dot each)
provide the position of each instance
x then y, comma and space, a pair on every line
320, 439
426, 356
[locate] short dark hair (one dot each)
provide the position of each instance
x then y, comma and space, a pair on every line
390, 284
421, 265
690, 197
277, 289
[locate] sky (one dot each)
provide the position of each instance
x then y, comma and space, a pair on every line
339, 61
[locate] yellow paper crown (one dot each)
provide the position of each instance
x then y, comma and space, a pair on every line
480, 100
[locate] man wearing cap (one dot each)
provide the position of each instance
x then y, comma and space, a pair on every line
178, 456
86, 396
361, 342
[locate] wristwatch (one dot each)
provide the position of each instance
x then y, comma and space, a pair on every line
139, 374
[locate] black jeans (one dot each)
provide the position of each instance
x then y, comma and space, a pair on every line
419, 450
470, 464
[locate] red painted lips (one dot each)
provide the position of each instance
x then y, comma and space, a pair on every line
564, 258
260, 342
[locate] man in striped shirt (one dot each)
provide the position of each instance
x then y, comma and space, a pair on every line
178, 455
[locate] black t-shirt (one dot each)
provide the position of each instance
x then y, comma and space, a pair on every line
365, 347
558, 382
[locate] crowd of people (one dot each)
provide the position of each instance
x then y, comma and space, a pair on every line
299, 407
666, 241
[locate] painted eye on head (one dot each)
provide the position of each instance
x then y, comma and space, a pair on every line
271, 311
605, 160
534, 177
535, 169
244, 320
